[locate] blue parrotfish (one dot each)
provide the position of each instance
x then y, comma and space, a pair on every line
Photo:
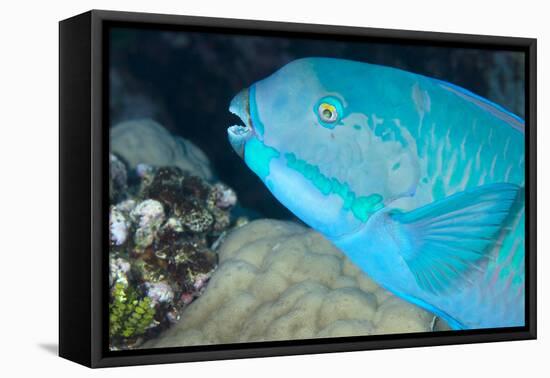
419, 182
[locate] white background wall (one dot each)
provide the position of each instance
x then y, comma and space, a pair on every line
29, 174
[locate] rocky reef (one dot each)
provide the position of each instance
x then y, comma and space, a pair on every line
278, 281
165, 224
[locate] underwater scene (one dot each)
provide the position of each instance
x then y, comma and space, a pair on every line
268, 188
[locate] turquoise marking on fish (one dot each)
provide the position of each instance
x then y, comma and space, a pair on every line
254, 111
419, 182
361, 207
258, 156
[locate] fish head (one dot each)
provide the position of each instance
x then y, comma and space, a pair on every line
308, 134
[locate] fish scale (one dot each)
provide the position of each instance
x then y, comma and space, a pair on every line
494, 167
419, 182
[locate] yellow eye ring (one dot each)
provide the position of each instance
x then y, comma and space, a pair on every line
327, 112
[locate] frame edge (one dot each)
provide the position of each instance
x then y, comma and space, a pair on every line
97, 356
74, 193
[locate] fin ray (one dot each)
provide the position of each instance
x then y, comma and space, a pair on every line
452, 237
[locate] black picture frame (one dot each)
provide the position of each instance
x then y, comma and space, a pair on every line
83, 166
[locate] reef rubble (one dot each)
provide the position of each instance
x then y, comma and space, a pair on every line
165, 224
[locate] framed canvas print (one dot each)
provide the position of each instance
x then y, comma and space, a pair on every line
234, 188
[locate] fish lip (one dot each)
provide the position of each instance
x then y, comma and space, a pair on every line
239, 134
240, 106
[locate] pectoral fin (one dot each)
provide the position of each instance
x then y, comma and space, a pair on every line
449, 238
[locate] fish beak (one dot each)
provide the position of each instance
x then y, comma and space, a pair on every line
238, 134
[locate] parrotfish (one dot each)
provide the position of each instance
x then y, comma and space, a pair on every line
419, 182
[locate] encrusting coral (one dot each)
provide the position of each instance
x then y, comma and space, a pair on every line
278, 281
118, 183
165, 224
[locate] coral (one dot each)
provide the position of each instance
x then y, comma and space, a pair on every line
223, 196
118, 271
144, 141
277, 281
163, 239
196, 206
129, 316
118, 183
148, 216
126, 206
118, 226
159, 292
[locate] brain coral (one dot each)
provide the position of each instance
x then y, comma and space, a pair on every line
278, 280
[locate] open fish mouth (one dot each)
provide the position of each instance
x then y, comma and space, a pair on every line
239, 134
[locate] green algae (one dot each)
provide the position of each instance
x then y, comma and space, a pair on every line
129, 315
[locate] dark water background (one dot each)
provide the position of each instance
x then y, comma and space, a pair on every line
185, 81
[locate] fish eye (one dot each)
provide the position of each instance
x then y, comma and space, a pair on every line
329, 111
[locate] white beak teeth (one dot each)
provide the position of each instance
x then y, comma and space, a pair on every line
238, 135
